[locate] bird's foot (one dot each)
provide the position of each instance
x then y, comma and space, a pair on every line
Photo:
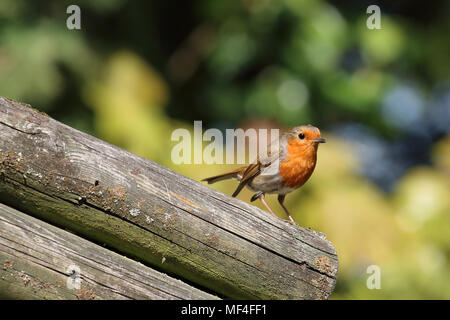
256, 196
292, 221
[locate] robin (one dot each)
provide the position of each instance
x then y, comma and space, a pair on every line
287, 166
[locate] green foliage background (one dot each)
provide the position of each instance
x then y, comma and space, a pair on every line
137, 70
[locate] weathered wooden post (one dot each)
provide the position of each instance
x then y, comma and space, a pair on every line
150, 213
41, 261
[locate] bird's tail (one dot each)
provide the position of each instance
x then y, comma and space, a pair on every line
223, 176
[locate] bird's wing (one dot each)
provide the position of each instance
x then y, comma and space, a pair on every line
264, 163
250, 172
267, 157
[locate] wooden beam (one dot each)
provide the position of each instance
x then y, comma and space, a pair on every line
158, 216
40, 261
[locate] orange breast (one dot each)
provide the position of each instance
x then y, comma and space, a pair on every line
298, 165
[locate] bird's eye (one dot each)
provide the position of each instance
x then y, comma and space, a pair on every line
301, 136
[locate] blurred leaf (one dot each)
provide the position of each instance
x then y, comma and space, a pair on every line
383, 45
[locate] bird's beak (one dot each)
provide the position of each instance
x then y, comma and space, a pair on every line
320, 140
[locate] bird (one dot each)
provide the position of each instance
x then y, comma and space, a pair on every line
288, 164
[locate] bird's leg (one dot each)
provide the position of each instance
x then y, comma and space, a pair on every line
260, 195
281, 200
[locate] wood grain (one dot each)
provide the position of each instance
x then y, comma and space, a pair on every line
153, 214
40, 261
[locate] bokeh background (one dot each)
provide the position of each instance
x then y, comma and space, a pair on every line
137, 70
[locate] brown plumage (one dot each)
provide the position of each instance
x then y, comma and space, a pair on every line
286, 169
